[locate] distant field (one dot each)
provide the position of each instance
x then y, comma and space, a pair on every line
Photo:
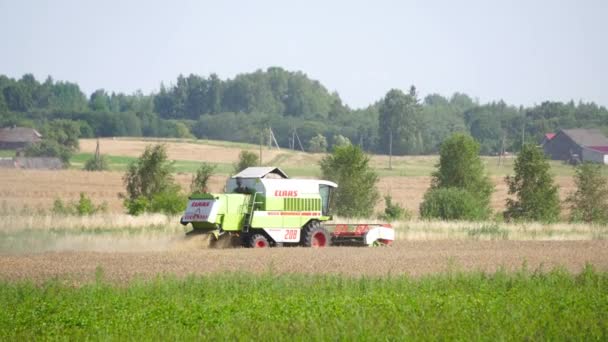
406, 183
120, 163
295, 163
34, 190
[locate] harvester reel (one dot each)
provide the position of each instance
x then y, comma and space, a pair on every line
314, 235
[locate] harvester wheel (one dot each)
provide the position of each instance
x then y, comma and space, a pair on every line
258, 241
314, 235
381, 243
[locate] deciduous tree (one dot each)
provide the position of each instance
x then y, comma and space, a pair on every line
246, 159
460, 188
356, 195
589, 203
536, 197
200, 181
400, 123
149, 183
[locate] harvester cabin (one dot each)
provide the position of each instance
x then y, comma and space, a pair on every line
273, 183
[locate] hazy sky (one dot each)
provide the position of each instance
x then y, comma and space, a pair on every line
524, 52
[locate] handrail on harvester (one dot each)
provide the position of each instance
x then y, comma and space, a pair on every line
253, 203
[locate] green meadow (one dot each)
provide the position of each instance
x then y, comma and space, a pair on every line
525, 305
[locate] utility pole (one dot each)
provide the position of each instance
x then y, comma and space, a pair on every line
523, 132
261, 143
390, 149
269, 137
299, 142
97, 153
272, 139
501, 152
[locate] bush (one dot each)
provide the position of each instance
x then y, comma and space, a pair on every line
170, 202
452, 204
394, 211
97, 163
137, 206
83, 207
317, 144
59, 208
182, 131
49, 148
340, 140
64, 132
200, 180
356, 194
246, 159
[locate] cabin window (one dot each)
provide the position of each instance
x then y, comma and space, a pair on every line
325, 192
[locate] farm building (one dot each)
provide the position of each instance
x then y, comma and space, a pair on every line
44, 163
577, 145
18, 137
546, 138
597, 154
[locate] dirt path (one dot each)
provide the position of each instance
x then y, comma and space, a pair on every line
413, 258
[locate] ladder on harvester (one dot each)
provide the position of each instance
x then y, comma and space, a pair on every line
249, 215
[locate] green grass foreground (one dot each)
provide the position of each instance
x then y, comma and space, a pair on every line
470, 306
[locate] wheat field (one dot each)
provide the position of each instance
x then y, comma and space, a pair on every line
27, 233
35, 190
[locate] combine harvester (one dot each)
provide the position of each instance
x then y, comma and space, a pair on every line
262, 207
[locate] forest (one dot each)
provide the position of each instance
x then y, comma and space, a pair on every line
294, 106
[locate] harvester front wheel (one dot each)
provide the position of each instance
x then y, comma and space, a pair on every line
258, 241
314, 235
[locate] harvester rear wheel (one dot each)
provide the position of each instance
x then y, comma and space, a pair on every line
314, 235
258, 241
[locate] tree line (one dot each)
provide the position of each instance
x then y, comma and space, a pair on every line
243, 108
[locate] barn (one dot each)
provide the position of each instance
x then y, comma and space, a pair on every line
596, 154
577, 145
31, 163
12, 138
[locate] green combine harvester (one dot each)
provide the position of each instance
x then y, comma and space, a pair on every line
262, 207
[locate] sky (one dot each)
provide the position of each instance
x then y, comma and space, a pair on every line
523, 52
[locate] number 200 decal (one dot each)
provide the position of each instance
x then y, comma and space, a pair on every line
291, 234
